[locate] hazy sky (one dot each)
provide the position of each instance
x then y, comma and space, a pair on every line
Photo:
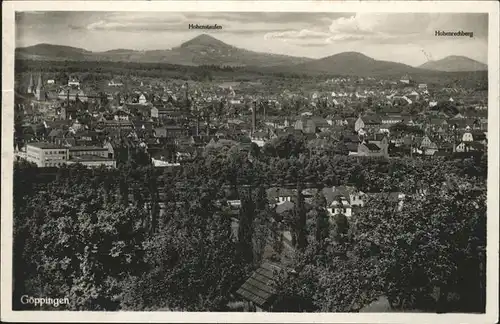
398, 37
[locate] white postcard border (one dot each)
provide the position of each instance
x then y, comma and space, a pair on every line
8, 45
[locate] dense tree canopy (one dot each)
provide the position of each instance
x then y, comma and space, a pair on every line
74, 225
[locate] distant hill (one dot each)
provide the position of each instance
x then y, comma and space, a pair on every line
455, 64
49, 52
354, 63
201, 50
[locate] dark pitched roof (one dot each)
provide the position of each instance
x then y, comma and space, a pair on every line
310, 137
259, 288
476, 146
462, 123
331, 194
351, 121
200, 139
275, 192
56, 132
57, 123
260, 135
139, 123
319, 121
160, 132
371, 119
372, 146
284, 207
478, 136
441, 154
85, 132
437, 121
388, 196
161, 154
352, 147
354, 138
477, 114
137, 106
378, 136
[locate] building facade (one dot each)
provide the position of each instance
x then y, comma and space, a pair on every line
46, 154
52, 155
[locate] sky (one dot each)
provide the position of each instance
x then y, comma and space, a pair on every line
399, 37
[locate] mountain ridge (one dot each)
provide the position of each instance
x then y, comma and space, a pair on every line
200, 50
208, 50
359, 64
455, 63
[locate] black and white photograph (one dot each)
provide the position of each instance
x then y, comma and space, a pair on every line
187, 160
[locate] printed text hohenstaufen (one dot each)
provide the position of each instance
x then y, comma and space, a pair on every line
197, 26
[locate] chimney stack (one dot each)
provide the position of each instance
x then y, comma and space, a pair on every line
187, 96
197, 125
207, 117
254, 116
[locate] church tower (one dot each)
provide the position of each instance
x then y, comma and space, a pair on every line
31, 85
40, 93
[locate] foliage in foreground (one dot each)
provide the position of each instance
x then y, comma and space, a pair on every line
425, 253
88, 234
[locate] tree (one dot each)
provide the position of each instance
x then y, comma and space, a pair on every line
124, 186
427, 243
93, 246
322, 228
405, 129
262, 223
286, 146
300, 218
277, 236
341, 148
324, 282
193, 262
152, 187
246, 226
341, 224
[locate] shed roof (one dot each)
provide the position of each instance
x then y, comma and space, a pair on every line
259, 287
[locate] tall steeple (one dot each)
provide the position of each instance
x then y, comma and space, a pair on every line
39, 83
39, 88
31, 85
254, 117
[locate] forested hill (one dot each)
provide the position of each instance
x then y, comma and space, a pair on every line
455, 64
201, 50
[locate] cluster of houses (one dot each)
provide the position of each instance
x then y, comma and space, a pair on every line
344, 200
175, 122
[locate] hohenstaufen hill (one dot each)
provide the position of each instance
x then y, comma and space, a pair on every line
201, 50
